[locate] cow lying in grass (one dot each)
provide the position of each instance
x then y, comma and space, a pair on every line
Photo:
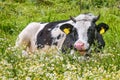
75, 34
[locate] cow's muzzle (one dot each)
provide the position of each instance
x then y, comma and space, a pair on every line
79, 46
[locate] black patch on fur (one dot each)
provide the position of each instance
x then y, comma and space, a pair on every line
100, 42
91, 34
58, 37
69, 41
44, 36
96, 36
99, 37
55, 43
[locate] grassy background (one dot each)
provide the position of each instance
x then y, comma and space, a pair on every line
16, 14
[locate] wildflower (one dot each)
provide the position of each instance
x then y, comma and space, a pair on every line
28, 78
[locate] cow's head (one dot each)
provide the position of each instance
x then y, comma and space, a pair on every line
82, 34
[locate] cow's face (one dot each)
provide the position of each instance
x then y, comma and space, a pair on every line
82, 34
85, 26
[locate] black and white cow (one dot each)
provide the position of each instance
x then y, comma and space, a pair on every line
75, 34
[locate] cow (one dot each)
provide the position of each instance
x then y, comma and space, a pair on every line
74, 34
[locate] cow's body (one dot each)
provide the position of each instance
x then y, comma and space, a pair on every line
78, 34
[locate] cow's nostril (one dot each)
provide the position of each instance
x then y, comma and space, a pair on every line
79, 46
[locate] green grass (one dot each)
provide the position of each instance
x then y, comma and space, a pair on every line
16, 14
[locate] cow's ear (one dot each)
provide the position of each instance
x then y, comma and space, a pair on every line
102, 28
66, 28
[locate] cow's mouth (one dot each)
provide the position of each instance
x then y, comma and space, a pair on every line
82, 52
85, 52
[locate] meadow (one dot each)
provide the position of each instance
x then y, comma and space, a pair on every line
16, 14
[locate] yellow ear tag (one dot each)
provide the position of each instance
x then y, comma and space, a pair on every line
66, 30
102, 30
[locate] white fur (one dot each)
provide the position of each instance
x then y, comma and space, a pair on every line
27, 37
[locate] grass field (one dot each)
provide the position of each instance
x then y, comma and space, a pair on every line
16, 14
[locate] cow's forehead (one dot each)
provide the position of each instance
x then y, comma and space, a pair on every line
88, 16
82, 25
84, 21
